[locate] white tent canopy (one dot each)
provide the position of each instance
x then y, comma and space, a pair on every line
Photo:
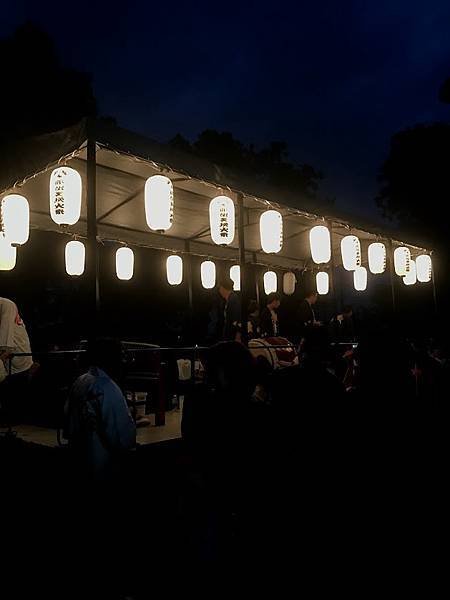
124, 161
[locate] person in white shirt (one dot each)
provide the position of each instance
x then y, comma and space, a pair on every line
13, 339
14, 370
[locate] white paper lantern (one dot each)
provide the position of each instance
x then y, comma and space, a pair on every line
411, 276
208, 274
65, 196
124, 263
322, 283
16, 219
270, 282
360, 279
222, 220
271, 231
377, 258
75, 255
289, 282
159, 203
424, 268
235, 276
402, 260
8, 254
174, 269
351, 252
320, 243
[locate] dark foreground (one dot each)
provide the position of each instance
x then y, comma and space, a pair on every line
349, 500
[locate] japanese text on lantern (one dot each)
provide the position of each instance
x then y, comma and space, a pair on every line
59, 192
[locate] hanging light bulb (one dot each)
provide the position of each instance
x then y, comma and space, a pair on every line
208, 274
271, 231
270, 282
75, 255
322, 283
235, 276
351, 252
159, 203
360, 279
320, 244
402, 260
424, 268
411, 276
16, 219
289, 282
124, 263
222, 220
174, 269
8, 254
65, 196
377, 258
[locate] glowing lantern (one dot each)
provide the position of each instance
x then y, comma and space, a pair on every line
270, 282
221, 220
423, 268
208, 274
360, 279
351, 252
411, 276
174, 269
289, 282
65, 196
320, 243
16, 219
322, 283
75, 254
159, 203
235, 276
402, 260
8, 254
271, 231
377, 258
124, 263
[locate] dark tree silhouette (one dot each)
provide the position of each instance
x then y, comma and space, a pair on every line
444, 92
270, 164
39, 94
415, 181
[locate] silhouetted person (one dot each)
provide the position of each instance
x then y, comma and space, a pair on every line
306, 318
232, 311
253, 320
100, 428
342, 326
269, 317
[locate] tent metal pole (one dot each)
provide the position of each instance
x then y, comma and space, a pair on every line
332, 268
188, 270
391, 276
92, 245
433, 281
256, 277
244, 283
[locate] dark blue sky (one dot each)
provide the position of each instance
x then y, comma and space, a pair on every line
333, 79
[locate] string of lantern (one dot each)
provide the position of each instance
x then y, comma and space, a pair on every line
65, 196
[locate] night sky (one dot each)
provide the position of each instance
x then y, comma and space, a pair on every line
333, 79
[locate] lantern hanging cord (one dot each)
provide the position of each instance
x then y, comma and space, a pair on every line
208, 256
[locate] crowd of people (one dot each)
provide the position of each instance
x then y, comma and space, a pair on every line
266, 450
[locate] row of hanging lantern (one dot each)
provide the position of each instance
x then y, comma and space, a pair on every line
410, 270
65, 210
75, 256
